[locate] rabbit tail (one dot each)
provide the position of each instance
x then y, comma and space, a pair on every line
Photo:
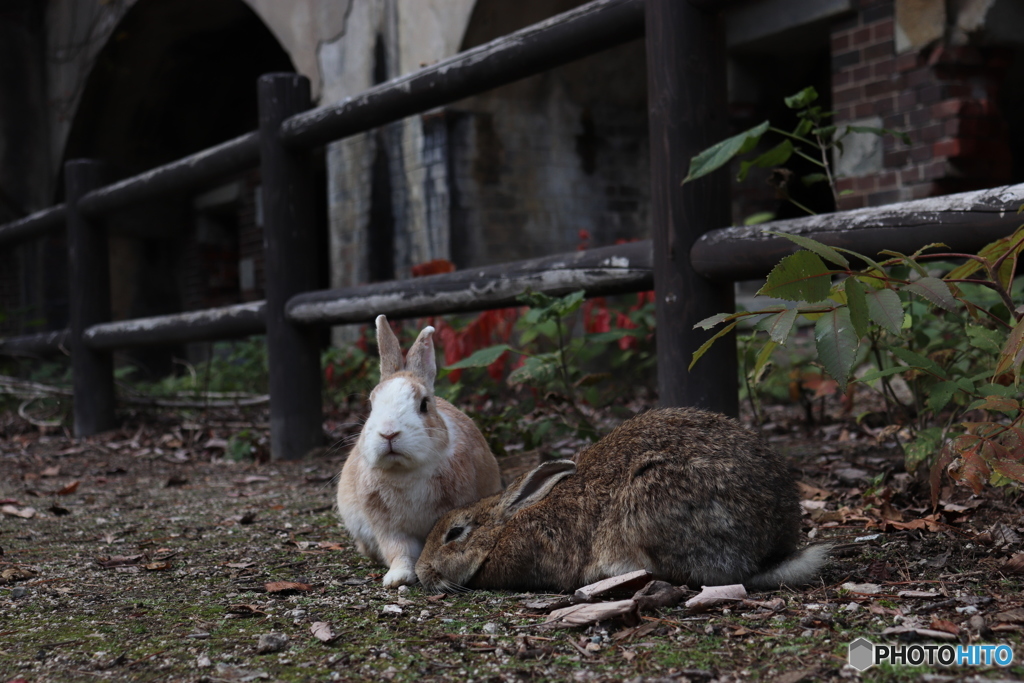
796, 570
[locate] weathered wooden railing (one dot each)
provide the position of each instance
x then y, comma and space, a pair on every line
685, 106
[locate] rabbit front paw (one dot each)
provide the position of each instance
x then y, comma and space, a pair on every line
402, 573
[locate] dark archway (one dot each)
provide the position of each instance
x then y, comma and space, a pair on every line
175, 77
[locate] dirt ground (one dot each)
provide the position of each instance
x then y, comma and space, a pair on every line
149, 554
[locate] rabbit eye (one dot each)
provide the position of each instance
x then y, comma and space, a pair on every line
453, 533
423, 405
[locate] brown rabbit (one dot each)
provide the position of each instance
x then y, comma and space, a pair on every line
690, 495
417, 458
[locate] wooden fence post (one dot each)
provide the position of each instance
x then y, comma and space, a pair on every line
289, 247
89, 301
686, 80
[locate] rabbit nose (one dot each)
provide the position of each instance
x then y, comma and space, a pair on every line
389, 437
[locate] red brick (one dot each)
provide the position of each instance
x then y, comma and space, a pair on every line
931, 133
861, 36
958, 128
878, 51
885, 105
844, 184
878, 88
842, 78
906, 100
919, 117
921, 154
887, 181
932, 93
897, 159
936, 169
851, 94
884, 68
840, 41
866, 183
864, 109
917, 78
955, 147
882, 30
926, 190
850, 202
882, 198
948, 108
908, 61
909, 176
860, 74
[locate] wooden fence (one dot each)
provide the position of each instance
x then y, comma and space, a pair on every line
692, 274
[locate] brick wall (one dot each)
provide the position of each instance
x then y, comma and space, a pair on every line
943, 97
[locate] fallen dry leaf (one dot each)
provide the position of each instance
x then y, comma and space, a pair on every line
24, 513
286, 587
1014, 565
67, 490
808, 492
321, 630
118, 560
590, 613
329, 545
239, 565
1013, 616
244, 610
716, 595
50, 472
621, 584
918, 594
947, 626
929, 523
657, 594
157, 566
923, 632
13, 574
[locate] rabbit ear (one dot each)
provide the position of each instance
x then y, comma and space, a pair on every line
421, 360
535, 486
390, 351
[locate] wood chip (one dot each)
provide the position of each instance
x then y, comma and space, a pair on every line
918, 594
716, 595
585, 614
1013, 616
923, 632
24, 513
623, 584
284, 587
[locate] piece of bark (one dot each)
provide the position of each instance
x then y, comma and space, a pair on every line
716, 595
623, 584
658, 594
585, 614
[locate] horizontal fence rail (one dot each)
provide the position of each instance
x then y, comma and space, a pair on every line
39, 344
578, 33
227, 158
226, 322
608, 270
34, 225
965, 222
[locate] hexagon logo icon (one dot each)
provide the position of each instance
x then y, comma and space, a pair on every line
861, 654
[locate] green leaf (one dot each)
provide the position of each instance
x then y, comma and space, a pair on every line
940, 395
802, 98
799, 277
481, 358
707, 345
813, 178
803, 128
825, 132
537, 370
903, 137
822, 250
858, 303
935, 290
916, 360
879, 374
985, 339
762, 361
926, 442
1012, 355
779, 325
759, 217
717, 318
720, 154
837, 344
885, 309
1004, 404
776, 156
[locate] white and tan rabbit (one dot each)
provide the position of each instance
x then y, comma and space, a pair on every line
417, 458
690, 495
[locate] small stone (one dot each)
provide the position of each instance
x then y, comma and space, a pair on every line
491, 628
593, 647
852, 607
198, 635
202, 662
402, 590
272, 642
968, 609
391, 609
19, 592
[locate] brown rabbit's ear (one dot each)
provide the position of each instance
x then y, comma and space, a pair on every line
421, 360
534, 486
390, 351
